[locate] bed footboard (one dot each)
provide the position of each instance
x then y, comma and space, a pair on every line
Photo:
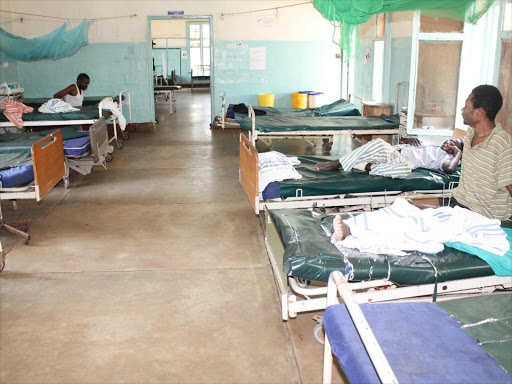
48, 160
249, 171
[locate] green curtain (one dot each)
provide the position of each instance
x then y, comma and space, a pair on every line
348, 14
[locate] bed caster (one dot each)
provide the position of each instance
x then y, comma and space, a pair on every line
119, 144
110, 149
109, 158
132, 128
303, 283
318, 333
27, 239
125, 135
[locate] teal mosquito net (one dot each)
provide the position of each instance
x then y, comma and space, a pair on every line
56, 44
348, 14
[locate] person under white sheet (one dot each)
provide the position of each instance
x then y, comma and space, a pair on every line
403, 227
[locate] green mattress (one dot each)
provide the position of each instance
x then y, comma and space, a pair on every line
489, 320
288, 123
310, 255
88, 100
86, 112
338, 108
315, 183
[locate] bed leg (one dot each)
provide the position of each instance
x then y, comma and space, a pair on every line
328, 360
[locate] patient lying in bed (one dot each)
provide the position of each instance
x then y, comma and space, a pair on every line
383, 159
402, 227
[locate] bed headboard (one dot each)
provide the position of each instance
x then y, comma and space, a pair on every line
99, 139
48, 160
249, 171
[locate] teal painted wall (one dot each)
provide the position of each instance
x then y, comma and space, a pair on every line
363, 75
291, 66
111, 66
9, 74
173, 62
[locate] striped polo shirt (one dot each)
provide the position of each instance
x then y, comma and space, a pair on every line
486, 171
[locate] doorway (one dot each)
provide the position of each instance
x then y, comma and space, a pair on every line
181, 53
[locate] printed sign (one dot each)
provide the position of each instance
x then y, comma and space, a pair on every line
184, 54
175, 13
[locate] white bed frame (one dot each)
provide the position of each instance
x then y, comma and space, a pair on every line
170, 94
49, 169
124, 99
297, 297
248, 176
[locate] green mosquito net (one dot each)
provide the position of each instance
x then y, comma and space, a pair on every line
56, 44
348, 14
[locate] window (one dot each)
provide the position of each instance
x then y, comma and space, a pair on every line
448, 59
199, 34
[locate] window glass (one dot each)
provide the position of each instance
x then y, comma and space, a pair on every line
437, 84
439, 24
507, 21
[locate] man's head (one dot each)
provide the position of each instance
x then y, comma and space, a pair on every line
482, 104
82, 81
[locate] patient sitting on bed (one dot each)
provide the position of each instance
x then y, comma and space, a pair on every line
382, 159
74, 94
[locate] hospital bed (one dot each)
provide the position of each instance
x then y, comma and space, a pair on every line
457, 341
170, 94
83, 150
354, 190
89, 113
32, 181
338, 118
302, 257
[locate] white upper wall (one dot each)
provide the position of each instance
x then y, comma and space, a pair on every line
300, 23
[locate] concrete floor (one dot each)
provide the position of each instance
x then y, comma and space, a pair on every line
154, 270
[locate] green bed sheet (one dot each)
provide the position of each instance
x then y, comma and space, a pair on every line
88, 100
489, 320
310, 255
287, 123
315, 183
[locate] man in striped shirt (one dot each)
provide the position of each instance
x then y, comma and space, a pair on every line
382, 159
486, 177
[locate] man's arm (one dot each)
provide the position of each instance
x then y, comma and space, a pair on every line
449, 166
64, 92
509, 188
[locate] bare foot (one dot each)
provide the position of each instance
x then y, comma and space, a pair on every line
341, 229
328, 166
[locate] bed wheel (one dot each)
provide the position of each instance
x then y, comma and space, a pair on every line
109, 158
110, 149
303, 283
27, 239
119, 144
318, 333
125, 135
132, 128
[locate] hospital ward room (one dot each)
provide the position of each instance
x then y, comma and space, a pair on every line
274, 191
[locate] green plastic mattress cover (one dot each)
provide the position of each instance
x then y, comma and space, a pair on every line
287, 123
16, 148
86, 112
316, 183
338, 108
88, 100
489, 320
309, 254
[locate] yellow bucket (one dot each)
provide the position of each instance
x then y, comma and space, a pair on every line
299, 100
266, 100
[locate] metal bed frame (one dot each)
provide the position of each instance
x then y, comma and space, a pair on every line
170, 94
49, 169
248, 176
297, 295
124, 99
